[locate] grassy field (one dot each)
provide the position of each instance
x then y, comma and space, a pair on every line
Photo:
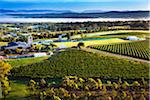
124, 35
18, 90
25, 61
113, 32
92, 42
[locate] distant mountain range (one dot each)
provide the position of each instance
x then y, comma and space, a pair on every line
33, 11
71, 14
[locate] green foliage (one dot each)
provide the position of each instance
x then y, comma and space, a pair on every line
66, 90
134, 49
83, 64
19, 90
4, 83
80, 44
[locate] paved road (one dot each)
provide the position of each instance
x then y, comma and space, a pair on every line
116, 55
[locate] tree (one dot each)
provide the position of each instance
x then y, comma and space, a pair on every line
53, 45
114, 93
80, 44
61, 92
136, 83
82, 35
31, 86
42, 83
39, 47
50, 92
115, 85
92, 84
125, 85
68, 36
104, 89
56, 98
100, 84
142, 97
4, 70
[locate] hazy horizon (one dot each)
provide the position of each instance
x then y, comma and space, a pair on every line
75, 5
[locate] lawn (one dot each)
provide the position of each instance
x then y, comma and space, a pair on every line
25, 61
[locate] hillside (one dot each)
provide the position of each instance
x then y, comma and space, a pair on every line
83, 64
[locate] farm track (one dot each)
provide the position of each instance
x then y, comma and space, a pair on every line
116, 55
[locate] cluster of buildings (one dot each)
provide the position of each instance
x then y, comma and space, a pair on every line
22, 45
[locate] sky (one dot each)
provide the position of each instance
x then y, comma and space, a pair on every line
75, 5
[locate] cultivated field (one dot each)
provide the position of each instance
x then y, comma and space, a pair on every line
83, 64
139, 49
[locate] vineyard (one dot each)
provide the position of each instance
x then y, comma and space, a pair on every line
138, 49
83, 64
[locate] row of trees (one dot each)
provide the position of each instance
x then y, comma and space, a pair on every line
73, 87
52, 30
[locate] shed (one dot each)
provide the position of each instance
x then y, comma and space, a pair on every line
39, 54
132, 38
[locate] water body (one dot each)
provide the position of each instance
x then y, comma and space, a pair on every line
64, 20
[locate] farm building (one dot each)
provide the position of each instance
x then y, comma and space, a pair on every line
46, 42
1, 57
62, 46
14, 45
132, 38
39, 54
28, 55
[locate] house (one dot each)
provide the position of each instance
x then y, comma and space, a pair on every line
14, 45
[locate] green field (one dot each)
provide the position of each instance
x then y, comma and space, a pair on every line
83, 64
24, 61
18, 90
123, 32
139, 49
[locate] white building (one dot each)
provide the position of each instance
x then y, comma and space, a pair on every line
132, 38
39, 54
